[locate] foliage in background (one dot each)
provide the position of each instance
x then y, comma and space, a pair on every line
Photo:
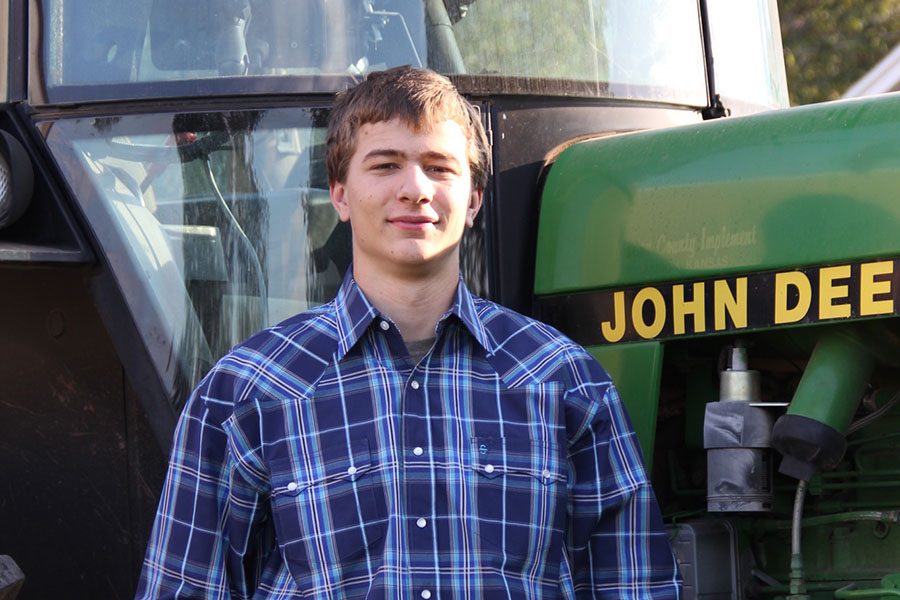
829, 44
540, 38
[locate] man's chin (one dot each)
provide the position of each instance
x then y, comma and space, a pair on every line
415, 252
412, 257
422, 258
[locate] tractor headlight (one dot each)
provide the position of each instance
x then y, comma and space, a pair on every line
16, 180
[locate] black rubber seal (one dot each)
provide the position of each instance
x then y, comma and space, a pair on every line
808, 446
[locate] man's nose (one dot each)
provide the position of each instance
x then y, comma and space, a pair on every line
416, 186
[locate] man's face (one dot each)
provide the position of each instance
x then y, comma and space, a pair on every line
408, 197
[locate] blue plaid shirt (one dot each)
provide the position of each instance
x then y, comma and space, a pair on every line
317, 461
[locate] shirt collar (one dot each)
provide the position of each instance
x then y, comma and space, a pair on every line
464, 308
354, 314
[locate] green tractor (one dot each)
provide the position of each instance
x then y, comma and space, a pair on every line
163, 195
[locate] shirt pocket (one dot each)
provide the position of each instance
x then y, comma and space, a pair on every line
325, 509
520, 503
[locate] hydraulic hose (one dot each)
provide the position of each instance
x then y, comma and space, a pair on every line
797, 584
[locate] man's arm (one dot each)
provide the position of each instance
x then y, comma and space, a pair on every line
207, 516
616, 544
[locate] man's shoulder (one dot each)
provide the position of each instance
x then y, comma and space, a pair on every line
526, 350
304, 327
283, 360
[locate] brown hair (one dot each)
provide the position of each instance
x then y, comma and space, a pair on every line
418, 97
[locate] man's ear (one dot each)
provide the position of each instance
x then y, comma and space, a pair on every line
338, 194
475, 199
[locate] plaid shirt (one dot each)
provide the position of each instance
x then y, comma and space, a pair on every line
317, 461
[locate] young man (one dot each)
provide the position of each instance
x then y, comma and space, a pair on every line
407, 440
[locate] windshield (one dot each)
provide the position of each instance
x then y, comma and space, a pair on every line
215, 224
604, 48
753, 78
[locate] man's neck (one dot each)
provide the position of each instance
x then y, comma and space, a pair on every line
414, 304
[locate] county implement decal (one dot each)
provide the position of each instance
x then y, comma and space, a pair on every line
733, 303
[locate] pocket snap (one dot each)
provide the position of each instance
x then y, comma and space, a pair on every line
327, 497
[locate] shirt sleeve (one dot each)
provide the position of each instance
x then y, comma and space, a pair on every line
616, 544
203, 542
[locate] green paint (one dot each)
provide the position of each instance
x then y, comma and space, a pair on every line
801, 186
636, 369
890, 588
835, 553
834, 380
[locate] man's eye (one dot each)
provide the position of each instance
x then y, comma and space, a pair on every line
385, 166
441, 169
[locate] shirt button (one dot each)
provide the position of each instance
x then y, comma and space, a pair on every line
426, 594
292, 486
489, 468
351, 471
421, 523
546, 473
384, 325
414, 385
418, 451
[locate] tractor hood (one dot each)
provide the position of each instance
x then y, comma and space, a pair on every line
788, 217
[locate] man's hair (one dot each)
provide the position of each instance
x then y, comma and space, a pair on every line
420, 98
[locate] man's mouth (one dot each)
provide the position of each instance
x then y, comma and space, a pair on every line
413, 222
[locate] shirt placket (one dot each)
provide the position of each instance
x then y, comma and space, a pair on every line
417, 460
419, 456
419, 484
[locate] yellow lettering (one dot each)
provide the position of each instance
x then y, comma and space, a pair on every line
615, 330
869, 288
798, 281
654, 296
829, 292
681, 308
736, 304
